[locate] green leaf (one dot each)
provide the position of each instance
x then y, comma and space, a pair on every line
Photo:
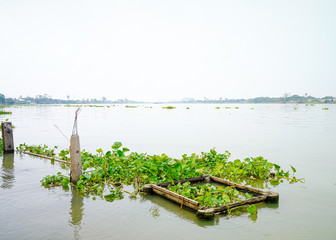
172, 162
293, 168
116, 145
237, 162
274, 182
120, 153
277, 167
248, 196
252, 209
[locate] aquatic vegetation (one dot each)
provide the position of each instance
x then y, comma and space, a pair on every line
5, 112
208, 195
325, 108
129, 106
104, 170
115, 193
227, 107
72, 105
252, 209
94, 106
217, 107
56, 180
64, 155
187, 107
38, 149
236, 107
169, 107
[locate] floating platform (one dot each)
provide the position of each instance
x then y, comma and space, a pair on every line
205, 212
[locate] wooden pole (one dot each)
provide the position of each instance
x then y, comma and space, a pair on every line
75, 159
7, 137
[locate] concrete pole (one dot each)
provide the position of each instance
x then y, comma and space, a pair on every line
75, 159
7, 137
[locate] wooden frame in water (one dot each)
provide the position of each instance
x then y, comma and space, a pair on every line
209, 212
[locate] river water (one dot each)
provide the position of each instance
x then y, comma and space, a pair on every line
298, 135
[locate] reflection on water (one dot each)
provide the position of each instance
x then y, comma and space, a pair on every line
155, 212
169, 206
7, 173
190, 215
76, 212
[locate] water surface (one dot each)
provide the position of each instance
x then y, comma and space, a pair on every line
304, 137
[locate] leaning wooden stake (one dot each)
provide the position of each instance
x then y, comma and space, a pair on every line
75, 154
7, 137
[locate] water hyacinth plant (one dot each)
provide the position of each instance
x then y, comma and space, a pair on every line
107, 171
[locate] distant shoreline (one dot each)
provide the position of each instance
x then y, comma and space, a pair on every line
45, 99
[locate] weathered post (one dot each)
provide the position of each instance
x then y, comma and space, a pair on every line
7, 137
75, 154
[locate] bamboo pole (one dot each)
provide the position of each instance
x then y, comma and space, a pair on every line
237, 185
241, 203
176, 197
46, 157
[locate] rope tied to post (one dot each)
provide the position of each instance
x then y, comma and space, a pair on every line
75, 126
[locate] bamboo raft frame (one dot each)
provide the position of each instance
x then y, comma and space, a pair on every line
209, 212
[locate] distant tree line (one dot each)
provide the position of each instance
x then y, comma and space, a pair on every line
46, 99
285, 99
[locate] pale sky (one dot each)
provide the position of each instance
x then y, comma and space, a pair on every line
167, 50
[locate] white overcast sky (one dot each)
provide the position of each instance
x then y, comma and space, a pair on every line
167, 49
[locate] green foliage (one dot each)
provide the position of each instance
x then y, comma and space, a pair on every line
4, 112
39, 149
63, 155
207, 195
169, 107
73, 105
119, 166
252, 209
128, 106
56, 180
115, 193
325, 108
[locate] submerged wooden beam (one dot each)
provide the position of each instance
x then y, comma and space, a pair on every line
237, 185
184, 201
42, 156
241, 203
